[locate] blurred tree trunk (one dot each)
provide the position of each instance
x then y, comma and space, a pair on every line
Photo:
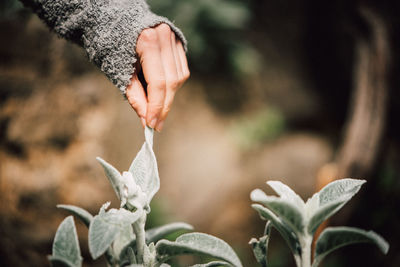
366, 123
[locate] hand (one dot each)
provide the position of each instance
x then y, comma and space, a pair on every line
163, 62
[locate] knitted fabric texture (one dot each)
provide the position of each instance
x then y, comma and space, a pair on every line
107, 29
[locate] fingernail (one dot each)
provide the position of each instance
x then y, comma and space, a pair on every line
159, 126
153, 123
143, 120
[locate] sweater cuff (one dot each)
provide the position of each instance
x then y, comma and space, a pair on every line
111, 39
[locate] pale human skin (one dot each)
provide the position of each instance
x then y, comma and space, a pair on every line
162, 59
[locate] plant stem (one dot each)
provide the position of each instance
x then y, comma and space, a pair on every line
138, 229
305, 243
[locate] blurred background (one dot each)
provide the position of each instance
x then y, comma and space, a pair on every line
298, 91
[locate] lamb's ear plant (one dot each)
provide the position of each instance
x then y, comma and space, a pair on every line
120, 234
297, 221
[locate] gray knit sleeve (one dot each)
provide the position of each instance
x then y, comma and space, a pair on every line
107, 29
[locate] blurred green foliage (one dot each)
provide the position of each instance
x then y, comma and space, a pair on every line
264, 125
158, 215
216, 33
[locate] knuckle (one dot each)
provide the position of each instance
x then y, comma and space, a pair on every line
133, 102
164, 30
173, 84
135, 105
168, 108
148, 35
165, 113
186, 75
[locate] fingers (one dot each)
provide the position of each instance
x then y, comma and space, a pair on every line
165, 69
137, 98
149, 52
176, 81
172, 70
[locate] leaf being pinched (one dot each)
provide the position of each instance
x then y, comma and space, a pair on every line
136, 188
144, 167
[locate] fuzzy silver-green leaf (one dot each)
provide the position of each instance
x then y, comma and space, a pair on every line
106, 227
339, 189
212, 264
197, 243
285, 192
124, 237
113, 175
66, 245
260, 247
144, 167
82, 214
285, 210
322, 214
331, 199
333, 238
155, 234
285, 231
59, 262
